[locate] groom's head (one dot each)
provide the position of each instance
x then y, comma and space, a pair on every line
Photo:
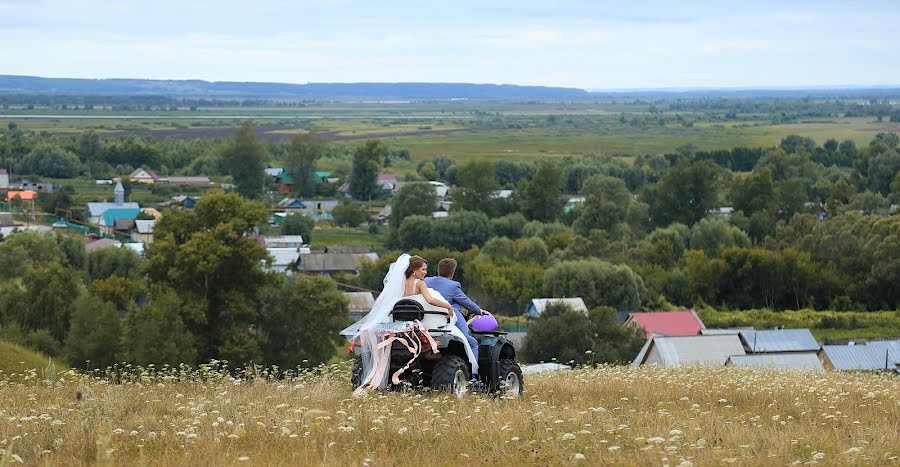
447, 267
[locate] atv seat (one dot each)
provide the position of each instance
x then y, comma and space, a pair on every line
414, 307
496, 332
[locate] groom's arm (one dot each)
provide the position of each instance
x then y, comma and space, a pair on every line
464, 300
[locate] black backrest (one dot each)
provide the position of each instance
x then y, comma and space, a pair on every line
407, 309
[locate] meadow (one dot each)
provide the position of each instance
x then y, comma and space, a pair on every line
602, 416
824, 324
480, 130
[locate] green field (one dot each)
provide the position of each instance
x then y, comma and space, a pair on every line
471, 130
15, 359
823, 324
324, 236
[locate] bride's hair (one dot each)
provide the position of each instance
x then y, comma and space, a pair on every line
415, 262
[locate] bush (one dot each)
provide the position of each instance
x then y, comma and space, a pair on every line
348, 215
570, 336
510, 225
298, 224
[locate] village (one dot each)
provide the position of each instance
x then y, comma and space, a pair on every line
674, 338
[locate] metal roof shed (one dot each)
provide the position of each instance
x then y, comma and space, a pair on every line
779, 340
857, 357
711, 351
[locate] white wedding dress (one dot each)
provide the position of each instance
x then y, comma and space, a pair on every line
366, 328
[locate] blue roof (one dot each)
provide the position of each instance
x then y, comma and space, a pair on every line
779, 340
861, 357
110, 215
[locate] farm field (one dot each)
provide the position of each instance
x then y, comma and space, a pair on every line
603, 416
473, 130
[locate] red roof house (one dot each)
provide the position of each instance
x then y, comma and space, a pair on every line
667, 323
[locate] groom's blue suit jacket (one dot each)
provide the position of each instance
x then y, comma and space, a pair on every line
452, 292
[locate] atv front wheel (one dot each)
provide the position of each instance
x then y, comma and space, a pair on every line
510, 378
450, 373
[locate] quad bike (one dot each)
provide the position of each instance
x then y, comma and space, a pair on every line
448, 369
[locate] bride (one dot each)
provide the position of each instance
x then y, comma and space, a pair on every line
404, 278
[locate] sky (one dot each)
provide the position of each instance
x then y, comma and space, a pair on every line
584, 44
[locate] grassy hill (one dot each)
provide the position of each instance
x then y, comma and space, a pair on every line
15, 359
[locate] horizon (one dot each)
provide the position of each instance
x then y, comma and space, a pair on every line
648, 44
835, 87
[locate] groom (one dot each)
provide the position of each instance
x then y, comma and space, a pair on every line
452, 292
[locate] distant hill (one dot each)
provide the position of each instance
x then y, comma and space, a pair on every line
223, 89
12, 357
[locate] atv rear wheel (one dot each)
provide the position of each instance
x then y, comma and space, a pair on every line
510, 378
450, 373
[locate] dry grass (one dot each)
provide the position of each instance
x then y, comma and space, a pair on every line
609, 415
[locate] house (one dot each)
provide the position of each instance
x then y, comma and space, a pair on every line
344, 190
388, 182
318, 209
322, 176
143, 231
96, 210
860, 357
27, 195
440, 189
667, 323
537, 305
329, 264
439, 214
284, 241
273, 171
42, 187
384, 215
95, 245
140, 175
4, 179
112, 218
124, 224
724, 212
501, 194
807, 361
289, 204
670, 351
198, 181
572, 203
286, 181
284, 260
185, 202
359, 304
778, 340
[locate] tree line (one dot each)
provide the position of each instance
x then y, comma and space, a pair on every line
202, 293
796, 232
